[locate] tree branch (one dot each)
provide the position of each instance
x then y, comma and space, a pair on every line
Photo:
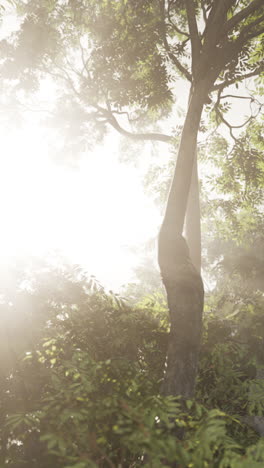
84, 62
230, 51
230, 126
178, 30
178, 64
129, 118
138, 136
205, 18
216, 18
227, 83
243, 38
234, 96
241, 15
64, 78
250, 26
212, 35
108, 114
194, 34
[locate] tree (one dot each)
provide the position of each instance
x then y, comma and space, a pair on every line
122, 57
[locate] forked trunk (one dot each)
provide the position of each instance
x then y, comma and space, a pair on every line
181, 278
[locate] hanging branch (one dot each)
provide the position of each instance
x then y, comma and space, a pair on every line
225, 121
134, 136
139, 136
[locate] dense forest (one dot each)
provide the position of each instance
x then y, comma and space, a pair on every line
170, 372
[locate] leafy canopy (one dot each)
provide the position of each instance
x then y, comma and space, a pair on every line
124, 56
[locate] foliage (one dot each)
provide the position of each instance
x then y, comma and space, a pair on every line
232, 208
98, 55
116, 62
80, 381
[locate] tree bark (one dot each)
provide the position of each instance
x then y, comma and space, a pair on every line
192, 226
181, 279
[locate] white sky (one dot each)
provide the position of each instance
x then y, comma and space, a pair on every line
92, 214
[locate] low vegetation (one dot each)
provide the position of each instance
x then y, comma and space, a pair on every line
81, 372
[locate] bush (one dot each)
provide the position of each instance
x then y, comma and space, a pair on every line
80, 379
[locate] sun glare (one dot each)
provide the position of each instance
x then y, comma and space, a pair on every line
92, 214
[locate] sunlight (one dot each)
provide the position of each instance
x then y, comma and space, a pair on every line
92, 214
95, 214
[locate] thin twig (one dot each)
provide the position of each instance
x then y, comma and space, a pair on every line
238, 97
84, 62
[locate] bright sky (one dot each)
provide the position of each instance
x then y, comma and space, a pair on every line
92, 214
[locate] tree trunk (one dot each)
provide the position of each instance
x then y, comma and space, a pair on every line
192, 226
182, 280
